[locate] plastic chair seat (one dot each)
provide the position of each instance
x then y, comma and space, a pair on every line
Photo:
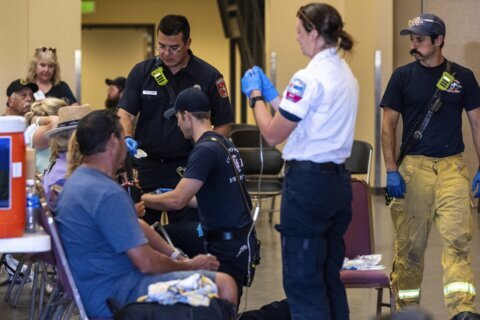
268, 188
365, 278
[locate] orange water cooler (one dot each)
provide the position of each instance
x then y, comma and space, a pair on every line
12, 176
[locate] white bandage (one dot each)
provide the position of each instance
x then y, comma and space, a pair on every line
175, 254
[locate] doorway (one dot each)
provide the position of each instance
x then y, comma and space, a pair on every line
110, 51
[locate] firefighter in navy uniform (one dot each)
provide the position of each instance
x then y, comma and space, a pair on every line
431, 184
151, 88
223, 202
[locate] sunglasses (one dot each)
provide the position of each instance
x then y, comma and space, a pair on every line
309, 22
45, 49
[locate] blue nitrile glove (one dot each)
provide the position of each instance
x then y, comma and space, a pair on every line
161, 190
131, 145
268, 90
395, 184
251, 81
476, 183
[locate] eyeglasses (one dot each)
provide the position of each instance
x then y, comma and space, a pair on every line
45, 49
310, 23
170, 49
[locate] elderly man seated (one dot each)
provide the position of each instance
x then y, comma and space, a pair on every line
109, 254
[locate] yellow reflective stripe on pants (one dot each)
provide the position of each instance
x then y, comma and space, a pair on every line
408, 294
459, 287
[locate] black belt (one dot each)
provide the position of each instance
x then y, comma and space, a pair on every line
324, 166
226, 235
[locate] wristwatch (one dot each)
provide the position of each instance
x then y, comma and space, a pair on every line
255, 99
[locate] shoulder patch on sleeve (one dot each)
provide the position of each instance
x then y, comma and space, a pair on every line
222, 88
295, 90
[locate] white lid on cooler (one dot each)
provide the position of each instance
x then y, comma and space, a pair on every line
12, 124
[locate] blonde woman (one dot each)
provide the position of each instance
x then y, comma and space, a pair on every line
41, 118
44, 70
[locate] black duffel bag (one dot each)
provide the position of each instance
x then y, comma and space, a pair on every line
219, 309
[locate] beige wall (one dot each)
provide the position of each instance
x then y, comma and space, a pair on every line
462, 45
370, 22
208, 41
29, 24
404, 10
108, 53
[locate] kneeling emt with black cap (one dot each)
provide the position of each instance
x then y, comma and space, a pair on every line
211, 175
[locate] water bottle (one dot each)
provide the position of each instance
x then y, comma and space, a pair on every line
33, 207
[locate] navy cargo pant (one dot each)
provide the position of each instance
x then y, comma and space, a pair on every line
315, 213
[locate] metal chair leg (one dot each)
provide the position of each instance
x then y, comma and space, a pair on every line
68, 313
272, 209
33, 296
48, 306
2, 261
14, 279
60, 306
22, 284
42, 288
45, 280
379, 302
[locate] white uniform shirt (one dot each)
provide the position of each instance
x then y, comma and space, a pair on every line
323, 98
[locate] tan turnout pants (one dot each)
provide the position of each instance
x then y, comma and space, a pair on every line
438, 189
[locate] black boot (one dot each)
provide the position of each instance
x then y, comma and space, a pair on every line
467, 315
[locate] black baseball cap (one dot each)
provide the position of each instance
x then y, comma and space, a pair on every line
118, 81
426, 24
191, 100
19, 84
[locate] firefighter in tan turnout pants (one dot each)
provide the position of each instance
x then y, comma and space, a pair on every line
431, 183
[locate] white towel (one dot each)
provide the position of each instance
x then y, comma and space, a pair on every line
367, 262
196, 290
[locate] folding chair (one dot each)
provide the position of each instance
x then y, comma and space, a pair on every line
359, 240
360, 160
269, 183
67, 282
247, 137
240, 126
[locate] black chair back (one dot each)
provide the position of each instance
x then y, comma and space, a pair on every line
247, 138
272, 161
240, 126
360, 159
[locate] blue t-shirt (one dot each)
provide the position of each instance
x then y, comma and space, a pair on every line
220, 203
97, 224
409, 92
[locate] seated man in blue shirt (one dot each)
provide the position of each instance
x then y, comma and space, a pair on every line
223, 204
107, 250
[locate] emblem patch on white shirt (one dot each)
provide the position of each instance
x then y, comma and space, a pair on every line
295, 90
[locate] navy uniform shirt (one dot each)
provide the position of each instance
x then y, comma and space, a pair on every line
409, 92
161, 138
220, 203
